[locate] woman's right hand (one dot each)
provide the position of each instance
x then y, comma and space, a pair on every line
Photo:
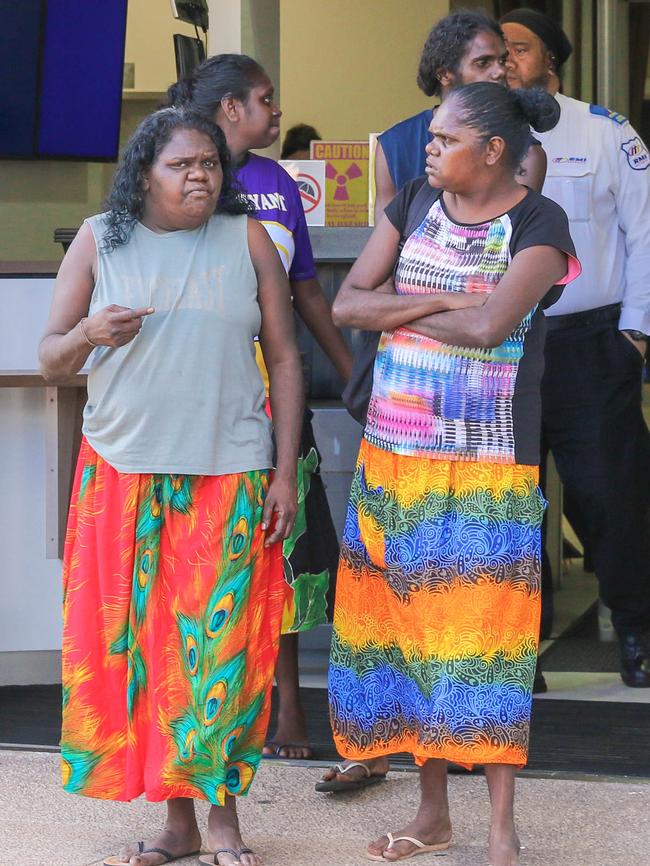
115, 325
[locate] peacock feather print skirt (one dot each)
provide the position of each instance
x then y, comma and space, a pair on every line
172, 612
437, 610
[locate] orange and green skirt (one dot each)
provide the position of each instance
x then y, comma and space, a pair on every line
437, 611
172, 614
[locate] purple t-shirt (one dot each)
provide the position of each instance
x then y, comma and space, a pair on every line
279, 208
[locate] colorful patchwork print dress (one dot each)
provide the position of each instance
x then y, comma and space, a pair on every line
438, 590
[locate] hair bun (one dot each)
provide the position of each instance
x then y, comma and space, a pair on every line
538, 106
179, 93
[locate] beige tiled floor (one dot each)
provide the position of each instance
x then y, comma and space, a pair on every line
561, 822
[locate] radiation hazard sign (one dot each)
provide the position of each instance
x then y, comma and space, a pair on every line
346, 187
309, 174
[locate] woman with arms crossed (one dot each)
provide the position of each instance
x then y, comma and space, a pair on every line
437, 604
173, 583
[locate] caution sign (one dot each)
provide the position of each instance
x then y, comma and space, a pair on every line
309, 174
346, 186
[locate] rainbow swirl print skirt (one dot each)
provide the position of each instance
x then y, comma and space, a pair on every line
437, 610
172, 612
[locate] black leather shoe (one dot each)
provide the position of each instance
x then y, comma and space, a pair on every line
635, 660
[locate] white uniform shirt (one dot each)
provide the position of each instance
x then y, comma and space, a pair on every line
599, 172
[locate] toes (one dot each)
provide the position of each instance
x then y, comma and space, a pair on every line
225, 859
378, 847
395, 853
292, 753
398, 850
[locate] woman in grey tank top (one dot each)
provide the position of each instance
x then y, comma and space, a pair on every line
173, 580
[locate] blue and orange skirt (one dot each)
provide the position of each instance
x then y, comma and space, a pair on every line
437, 610
172, 616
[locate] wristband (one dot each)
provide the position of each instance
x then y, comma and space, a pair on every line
636, 335
82, 327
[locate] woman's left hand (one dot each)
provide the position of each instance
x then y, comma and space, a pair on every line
280, 507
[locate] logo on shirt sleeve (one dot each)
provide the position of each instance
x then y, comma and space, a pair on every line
607, 112
637, 154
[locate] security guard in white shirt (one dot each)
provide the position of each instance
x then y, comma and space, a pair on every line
599, 172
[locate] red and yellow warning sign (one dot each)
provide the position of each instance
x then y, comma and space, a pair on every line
346, 185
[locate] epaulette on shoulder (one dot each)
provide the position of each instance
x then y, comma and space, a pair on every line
607, 112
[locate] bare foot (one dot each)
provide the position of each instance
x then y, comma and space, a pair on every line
223, 832
438, 833
377, 767
278, 748
178, 844
290, 737
504, 848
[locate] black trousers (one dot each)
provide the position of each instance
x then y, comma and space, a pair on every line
593, 424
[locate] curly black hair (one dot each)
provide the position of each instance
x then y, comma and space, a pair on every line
125, 202
493, 110
447, 43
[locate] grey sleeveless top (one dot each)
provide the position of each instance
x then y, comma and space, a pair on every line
185, 396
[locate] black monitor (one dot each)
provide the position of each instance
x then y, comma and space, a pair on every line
189, 53
61, 67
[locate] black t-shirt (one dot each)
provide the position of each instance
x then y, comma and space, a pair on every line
454, 402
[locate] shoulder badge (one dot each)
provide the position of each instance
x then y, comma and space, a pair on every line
607, 112
636, 153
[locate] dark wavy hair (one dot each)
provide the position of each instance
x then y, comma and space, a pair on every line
493, 110
447, 43
125, 202
218, 76
298, 138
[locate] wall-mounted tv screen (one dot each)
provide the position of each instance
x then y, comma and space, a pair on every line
61, 66
189, 52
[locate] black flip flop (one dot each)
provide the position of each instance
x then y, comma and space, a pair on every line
113, 861
335, 786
